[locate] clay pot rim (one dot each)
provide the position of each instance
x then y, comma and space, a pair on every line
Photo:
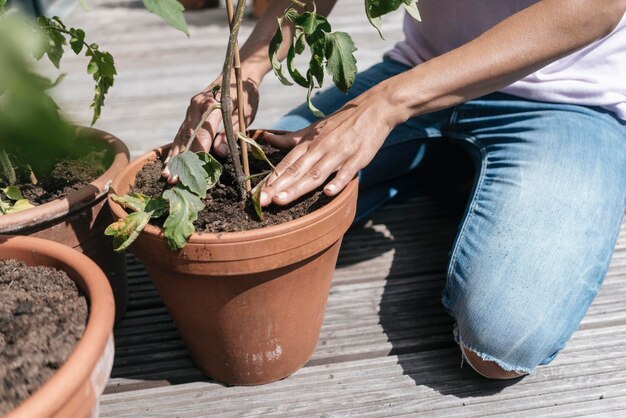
216, 238
78, 367
75, 201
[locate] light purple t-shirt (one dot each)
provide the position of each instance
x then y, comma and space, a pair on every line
593, 76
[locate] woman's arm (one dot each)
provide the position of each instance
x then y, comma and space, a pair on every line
516, 47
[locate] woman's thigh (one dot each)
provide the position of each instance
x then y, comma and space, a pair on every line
540, 228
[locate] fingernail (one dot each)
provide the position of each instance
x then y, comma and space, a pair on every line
223, 149
330, 188
281, 196
264, 199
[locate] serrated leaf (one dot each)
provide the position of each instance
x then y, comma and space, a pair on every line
184, 208
274, 46
190, 171
171, 11
340, 60
412, 9
125, 231
257, 151
136, 202
13, 193
55, 43
310, 22
212, 167
256, 198
20, 205
374, 9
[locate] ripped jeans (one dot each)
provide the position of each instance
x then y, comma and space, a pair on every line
542, 221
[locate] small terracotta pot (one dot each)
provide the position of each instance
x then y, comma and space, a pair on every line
249, 305
79, 219
74, 389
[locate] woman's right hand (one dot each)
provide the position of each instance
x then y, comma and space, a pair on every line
208, 136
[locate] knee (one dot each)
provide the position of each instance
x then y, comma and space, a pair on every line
507, 345
486, 368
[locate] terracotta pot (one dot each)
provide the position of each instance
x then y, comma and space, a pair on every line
249, 305
199, 4
79, 219
74, 389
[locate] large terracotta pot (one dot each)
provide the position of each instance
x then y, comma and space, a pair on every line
74, 389
249, 305
79, 219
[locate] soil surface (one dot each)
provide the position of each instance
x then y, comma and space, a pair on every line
42, 316
223, 211
66, 176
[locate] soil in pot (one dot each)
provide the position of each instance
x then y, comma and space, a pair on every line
66, 176
42, 317
224, 212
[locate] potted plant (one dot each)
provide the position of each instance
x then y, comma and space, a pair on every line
248, 299
54, 177
74, 388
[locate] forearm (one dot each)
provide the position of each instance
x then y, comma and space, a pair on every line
254, 52
518, 46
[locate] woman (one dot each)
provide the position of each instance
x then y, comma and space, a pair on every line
538, 91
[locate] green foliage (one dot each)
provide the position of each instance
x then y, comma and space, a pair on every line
171, 11
190, 171
181, 204
375, 9
15, 203
212, 167
333, 50
184, 208
125, 231
257, 151
256, 198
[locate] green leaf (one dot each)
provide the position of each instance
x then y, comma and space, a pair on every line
293, 71
274, 46
190, 171
312, 108
13, 193
55, 40
212, 167
256, 199
340, 60
374, 9
184, 208
411, 8
136, 202
125, 231
77, 41
102, 68
257, 151
311, 22
20, 205
158, 207
4, 206
2, 4
171, 11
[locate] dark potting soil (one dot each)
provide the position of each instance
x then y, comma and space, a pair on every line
42, 316
223, 211
66, 176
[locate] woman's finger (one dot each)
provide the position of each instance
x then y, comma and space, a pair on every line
342, 178
312, 179
283, 141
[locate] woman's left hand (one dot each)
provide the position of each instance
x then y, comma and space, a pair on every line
343, 143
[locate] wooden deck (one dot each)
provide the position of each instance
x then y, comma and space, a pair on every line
386, 346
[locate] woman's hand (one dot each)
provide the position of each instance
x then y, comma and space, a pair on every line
208, 136
342, 143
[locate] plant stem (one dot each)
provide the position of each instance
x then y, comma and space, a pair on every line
227, 102
240, 108
7, 168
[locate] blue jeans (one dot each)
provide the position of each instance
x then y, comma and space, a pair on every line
542, 222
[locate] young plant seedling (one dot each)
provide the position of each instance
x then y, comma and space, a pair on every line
331, 52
